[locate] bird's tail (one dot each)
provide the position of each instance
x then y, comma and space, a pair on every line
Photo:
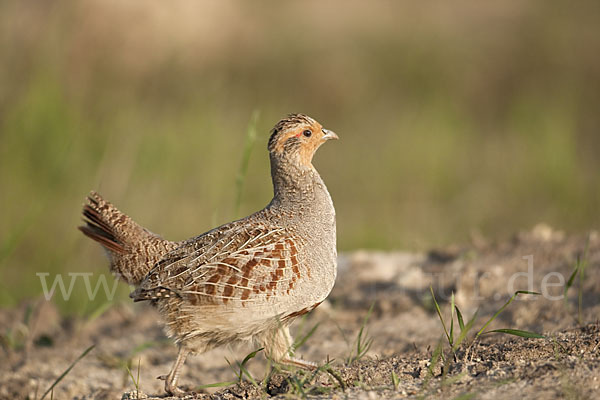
132, 249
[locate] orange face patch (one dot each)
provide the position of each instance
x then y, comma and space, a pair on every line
295, 140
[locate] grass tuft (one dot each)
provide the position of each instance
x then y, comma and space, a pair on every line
464, 329
136, 382
438, 354
301, 382
363, 340
242, 367
239, 370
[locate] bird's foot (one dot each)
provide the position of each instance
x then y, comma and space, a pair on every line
171, 385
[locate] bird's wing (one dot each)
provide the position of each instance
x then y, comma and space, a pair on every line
235, 262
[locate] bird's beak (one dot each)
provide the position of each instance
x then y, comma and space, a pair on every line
329, 134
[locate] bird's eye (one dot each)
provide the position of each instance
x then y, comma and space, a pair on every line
307, 133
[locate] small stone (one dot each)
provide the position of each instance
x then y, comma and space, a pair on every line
134, 395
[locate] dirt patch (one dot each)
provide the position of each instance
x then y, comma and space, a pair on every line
403, 325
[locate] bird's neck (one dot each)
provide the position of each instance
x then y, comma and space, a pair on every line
301, 195
295, 182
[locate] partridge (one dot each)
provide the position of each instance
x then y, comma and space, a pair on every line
248, 279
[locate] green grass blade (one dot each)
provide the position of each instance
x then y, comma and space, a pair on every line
517, 332
85, 353
129, 372
304, 338
459, 316
433, 361
242, 172
464, 332
437, 308
244, 371
363, 345
97, 313
518, 292
435, 357
465, 396
363, 341
28, 314
327, 368
395, 380
452, 320
242, 366
136, 383
580, 295
571, 279
143, 346
216, 385
239, 376
251, 355
582, 267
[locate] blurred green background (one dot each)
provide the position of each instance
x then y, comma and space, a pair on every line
454, 118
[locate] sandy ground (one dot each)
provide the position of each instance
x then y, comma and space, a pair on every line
404, 328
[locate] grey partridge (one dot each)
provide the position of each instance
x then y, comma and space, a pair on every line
248, 279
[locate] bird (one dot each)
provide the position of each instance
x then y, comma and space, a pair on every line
244, 280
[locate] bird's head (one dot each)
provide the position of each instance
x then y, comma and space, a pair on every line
296, 138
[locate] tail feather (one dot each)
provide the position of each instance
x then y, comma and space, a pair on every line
97, 229
132, 249
102, 237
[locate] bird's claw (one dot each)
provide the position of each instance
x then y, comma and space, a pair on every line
170, 388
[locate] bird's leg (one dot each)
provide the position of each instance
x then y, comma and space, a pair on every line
171, 379
278, 346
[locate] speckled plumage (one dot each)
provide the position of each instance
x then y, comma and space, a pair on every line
247, 279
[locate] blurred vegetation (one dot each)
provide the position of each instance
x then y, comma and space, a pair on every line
454, 118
